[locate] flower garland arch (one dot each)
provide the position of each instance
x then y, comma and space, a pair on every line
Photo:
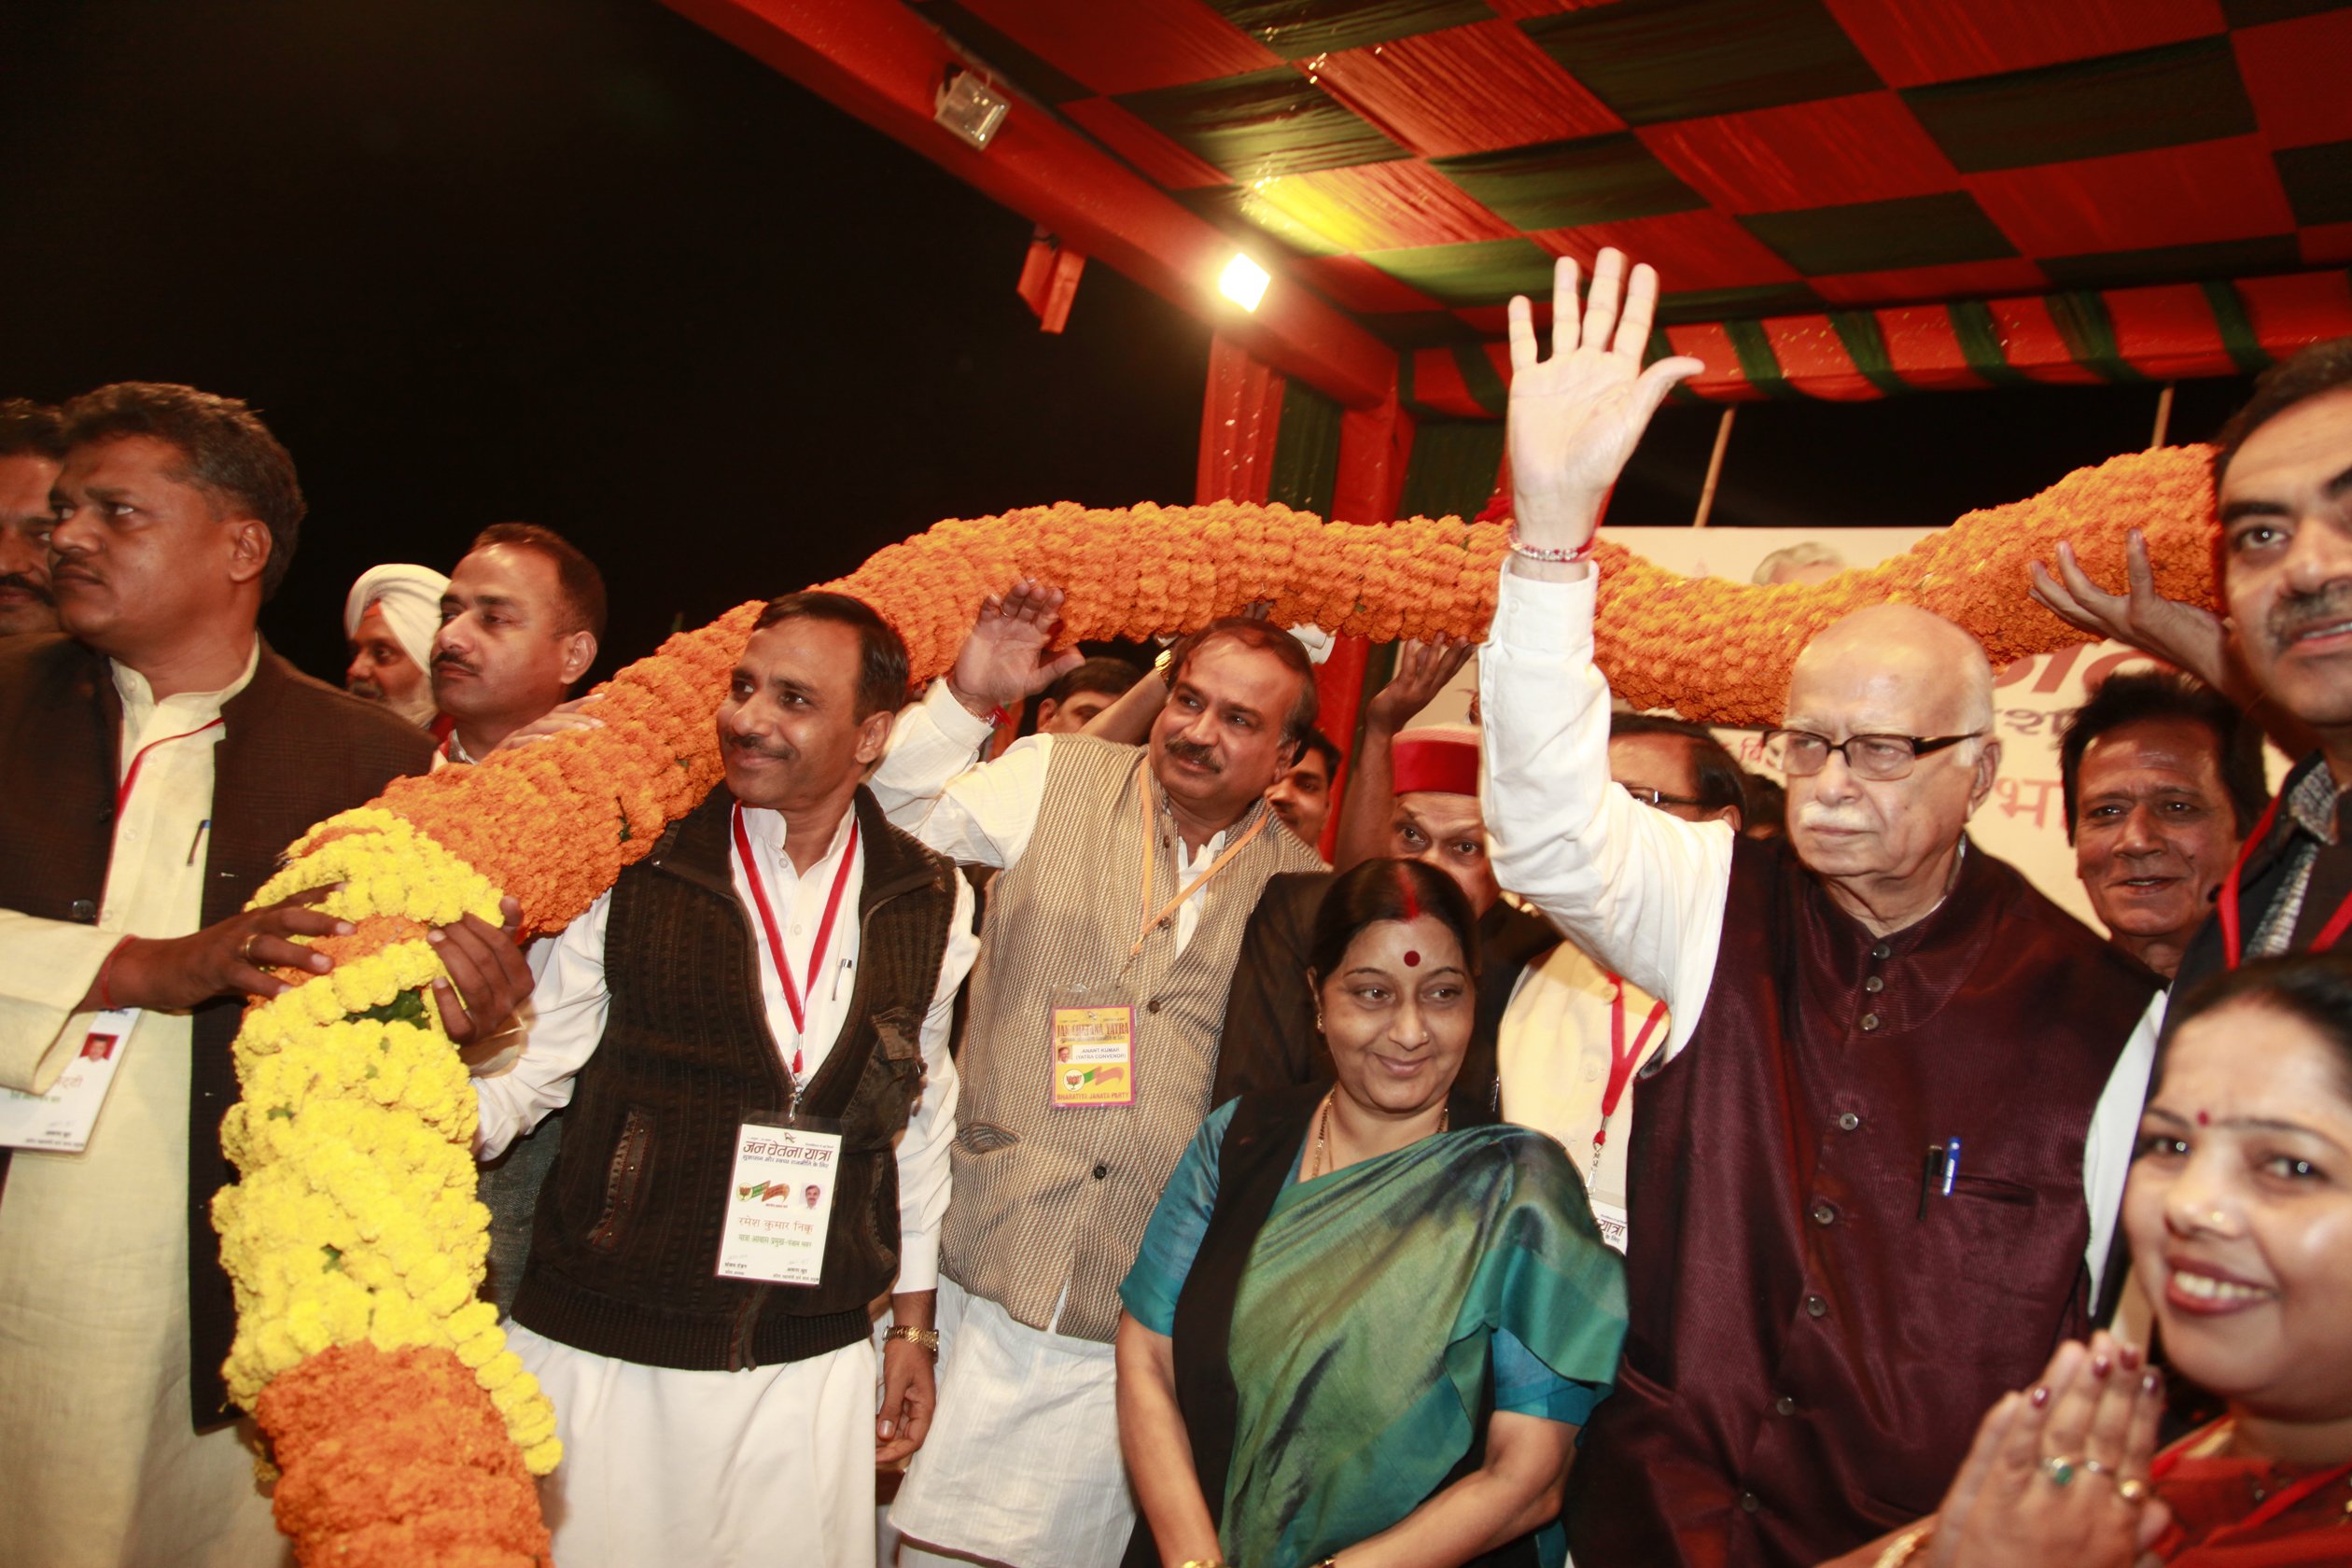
405, 1431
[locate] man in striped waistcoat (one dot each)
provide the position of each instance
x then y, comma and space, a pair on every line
1128, 876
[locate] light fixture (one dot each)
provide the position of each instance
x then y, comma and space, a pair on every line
1244, 282
970, 109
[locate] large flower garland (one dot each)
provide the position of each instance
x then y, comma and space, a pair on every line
354, 1241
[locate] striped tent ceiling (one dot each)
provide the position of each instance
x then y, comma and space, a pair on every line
1844, 197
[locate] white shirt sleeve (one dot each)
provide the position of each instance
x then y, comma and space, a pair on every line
932, 741
923, 1148
46, 968
1640, 891
981, 813
569, 1005
2107, 1152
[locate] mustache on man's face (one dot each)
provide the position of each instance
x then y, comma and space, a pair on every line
782, 751
367, 688
1195, 753
2295, 614
456, 661
38, 590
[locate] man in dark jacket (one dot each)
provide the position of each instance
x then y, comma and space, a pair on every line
153, 763
751, 1029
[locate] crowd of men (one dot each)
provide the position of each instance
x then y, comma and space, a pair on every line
873, 943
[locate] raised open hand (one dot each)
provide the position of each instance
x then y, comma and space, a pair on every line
2182, 635
1575, 418
1009, 654
1422, 670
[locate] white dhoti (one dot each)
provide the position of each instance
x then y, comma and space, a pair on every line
770, 1468
1022, 1465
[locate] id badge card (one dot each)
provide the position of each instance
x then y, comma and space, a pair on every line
1615, 1222
1091, 1048
780, 1203
61, 1121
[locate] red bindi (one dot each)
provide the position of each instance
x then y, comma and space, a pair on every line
2204, 1118
1412, 960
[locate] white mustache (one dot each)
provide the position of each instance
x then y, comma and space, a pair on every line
1815, 815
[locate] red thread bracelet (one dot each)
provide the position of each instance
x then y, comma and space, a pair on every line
1547, 554
106, 971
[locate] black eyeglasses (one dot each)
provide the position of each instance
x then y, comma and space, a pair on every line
1659, 798
1802, 753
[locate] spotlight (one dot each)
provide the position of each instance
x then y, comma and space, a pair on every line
970, 108
1244, 282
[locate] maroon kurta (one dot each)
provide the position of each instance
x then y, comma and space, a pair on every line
1809, 1357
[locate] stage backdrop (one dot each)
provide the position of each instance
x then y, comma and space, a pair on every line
2024, 820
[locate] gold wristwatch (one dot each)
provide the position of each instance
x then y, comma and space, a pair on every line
927, 1338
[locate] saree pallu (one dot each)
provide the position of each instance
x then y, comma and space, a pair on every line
2231, 1511
1335, 1340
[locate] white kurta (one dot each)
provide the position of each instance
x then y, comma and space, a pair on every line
1639, 890
775, 1464
103, 1467
1022, 1465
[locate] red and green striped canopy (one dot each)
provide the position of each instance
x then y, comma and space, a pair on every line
1845, 198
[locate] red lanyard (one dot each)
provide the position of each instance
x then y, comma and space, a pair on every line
122, 793
2231, 932
1622, 1061
775, 938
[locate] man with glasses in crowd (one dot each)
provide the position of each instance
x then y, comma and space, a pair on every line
1822, 1307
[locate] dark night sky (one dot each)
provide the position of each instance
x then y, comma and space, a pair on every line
579, 263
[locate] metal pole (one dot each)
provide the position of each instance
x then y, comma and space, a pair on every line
2164, 416
1715, 465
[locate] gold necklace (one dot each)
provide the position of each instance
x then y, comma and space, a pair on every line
1318, 1163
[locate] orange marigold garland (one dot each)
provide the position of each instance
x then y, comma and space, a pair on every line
389, 1463
405, 1430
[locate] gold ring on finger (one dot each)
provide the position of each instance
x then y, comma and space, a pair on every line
244, 948
2131, 1489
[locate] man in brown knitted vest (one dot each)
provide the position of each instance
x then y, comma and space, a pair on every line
1129, 874
758, 1009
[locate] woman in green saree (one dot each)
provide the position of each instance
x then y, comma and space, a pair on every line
1354, 1335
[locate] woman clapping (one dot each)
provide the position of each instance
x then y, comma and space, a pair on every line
2239, 1212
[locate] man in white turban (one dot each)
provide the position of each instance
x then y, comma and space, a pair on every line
389, 617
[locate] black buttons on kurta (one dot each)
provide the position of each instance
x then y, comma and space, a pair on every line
1101, 1172
1874, 985
1884, 951
1750, 1502
1848, 1121
1869, 1022
1816, 1307
84, 910
1153, 1005
1823, 1214
1784, 1405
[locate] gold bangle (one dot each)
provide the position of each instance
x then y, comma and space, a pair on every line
1206, 1562
927, 1338
1905, 1546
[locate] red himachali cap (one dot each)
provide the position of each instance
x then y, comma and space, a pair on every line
1437, 762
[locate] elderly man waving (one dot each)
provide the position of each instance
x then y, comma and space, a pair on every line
1868, 1197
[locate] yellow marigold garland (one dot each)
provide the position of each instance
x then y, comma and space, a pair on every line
355, 1232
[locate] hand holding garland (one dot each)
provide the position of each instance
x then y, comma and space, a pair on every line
230, 958
1573, 419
